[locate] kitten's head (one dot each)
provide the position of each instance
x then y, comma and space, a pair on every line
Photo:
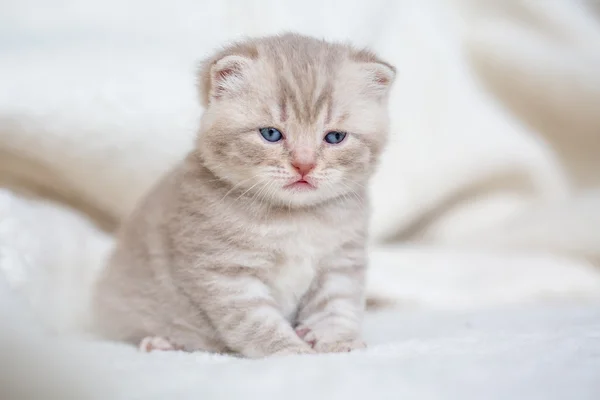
292, 119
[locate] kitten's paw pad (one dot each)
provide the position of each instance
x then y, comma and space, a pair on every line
151, 343
294, 351
340, 347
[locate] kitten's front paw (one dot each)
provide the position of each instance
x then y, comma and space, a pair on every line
323, 344
293, 351
152, 343
340, 347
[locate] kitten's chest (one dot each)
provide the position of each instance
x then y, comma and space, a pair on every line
297, 255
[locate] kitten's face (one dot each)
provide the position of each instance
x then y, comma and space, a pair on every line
295, 134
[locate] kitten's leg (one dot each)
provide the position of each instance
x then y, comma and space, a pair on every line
331, 314
247, 317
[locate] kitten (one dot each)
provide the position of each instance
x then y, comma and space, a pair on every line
255, 243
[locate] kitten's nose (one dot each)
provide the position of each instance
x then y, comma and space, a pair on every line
303, 166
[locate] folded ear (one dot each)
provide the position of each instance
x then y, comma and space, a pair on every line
378, 77
223, 77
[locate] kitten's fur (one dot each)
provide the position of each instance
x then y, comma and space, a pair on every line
220, 256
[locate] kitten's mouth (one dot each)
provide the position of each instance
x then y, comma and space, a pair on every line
300, 184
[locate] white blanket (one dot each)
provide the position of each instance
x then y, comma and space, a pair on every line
530, 353
489, 194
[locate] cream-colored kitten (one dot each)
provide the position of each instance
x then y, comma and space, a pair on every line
255, 243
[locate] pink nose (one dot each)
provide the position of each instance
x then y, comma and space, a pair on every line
303, 167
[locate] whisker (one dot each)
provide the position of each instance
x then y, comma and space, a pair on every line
353, 192
240, 196
345, 196
352, 181
237, 185
269, 194
258, 194
247, 190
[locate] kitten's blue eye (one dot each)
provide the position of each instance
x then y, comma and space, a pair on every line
271, 134
335, 137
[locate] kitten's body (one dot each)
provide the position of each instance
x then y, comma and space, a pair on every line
217, 258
